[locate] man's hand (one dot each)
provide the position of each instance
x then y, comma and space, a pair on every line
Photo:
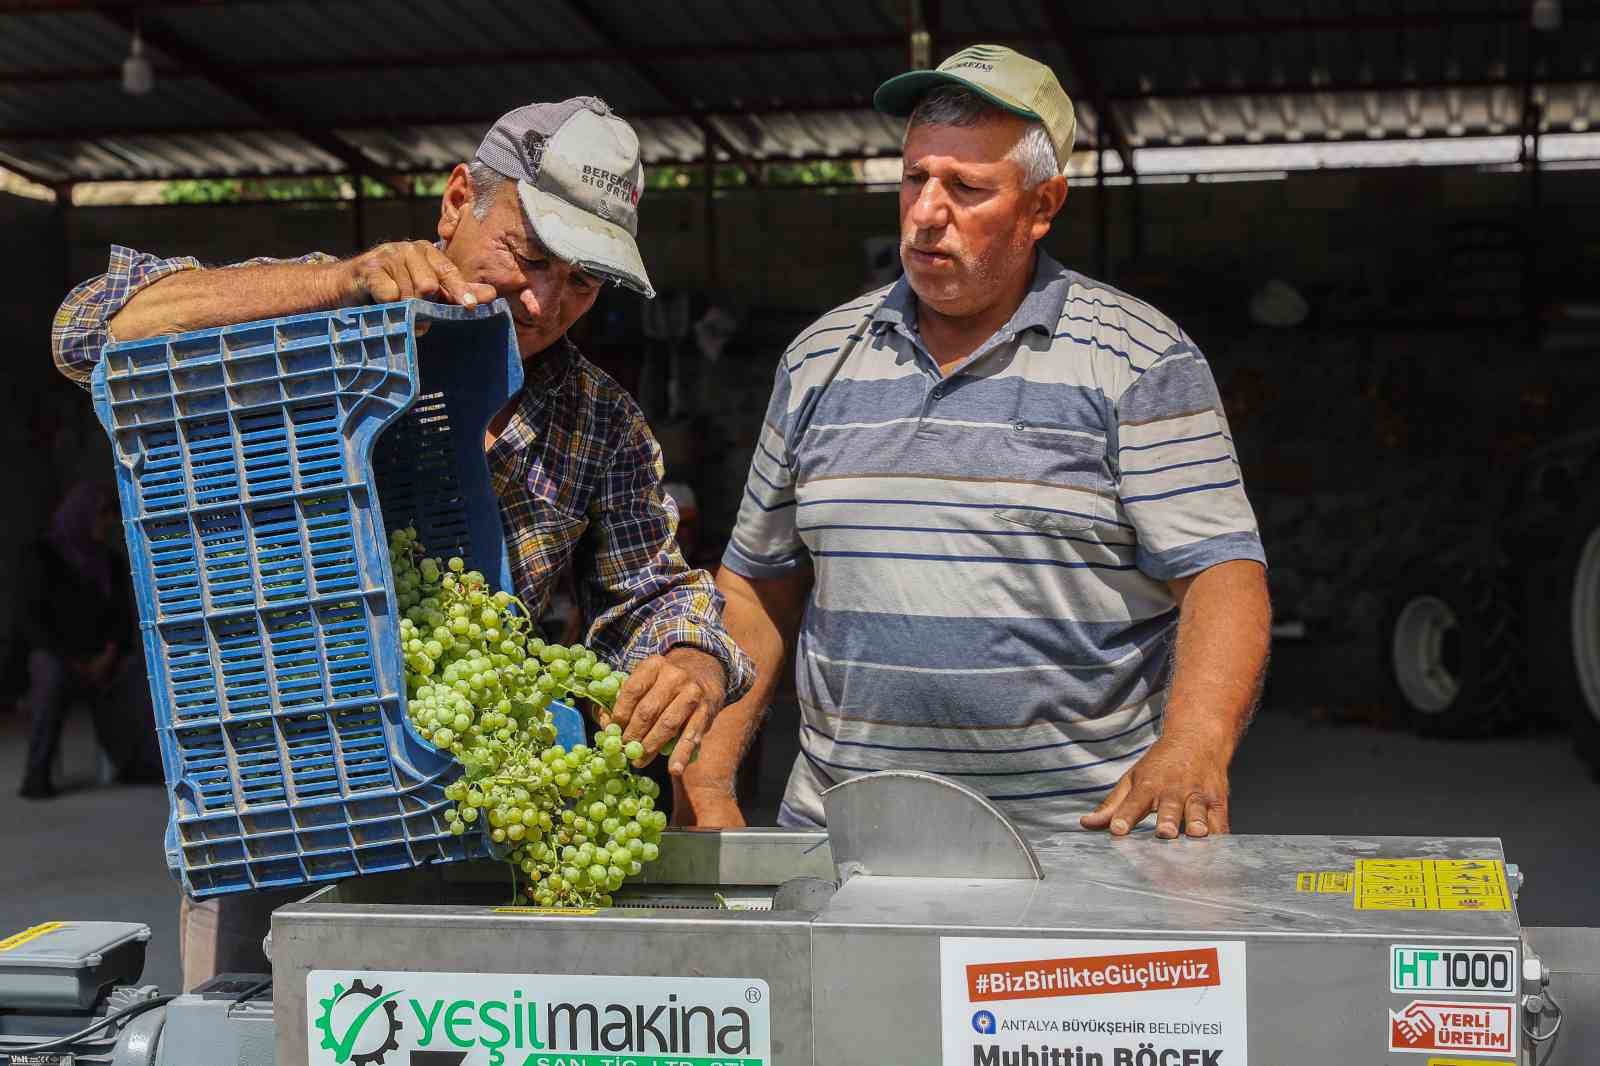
402, 270
1183, 779
673, 695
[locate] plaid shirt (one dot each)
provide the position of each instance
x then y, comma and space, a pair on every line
578, 473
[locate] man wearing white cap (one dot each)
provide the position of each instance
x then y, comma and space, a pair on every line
1004, 498
543, 216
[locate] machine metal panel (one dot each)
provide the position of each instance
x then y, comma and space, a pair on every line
1317, 969
775, 947
67, 966
416, 921
859, 981
1229, 884
1313, 999
1573, 956
206, 1031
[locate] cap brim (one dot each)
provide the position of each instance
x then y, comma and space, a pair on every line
899, 95
588, 240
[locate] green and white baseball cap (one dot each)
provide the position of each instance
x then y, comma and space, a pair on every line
1005, 78
578, 175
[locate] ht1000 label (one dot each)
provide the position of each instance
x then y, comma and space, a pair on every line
1460, 971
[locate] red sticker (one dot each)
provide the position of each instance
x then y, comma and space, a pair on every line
1428, 1026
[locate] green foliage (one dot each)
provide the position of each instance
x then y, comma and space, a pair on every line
429, 184
246, 190
819, 172
728, 175
341, 187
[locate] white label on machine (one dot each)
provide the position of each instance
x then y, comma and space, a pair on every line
366, 1018
1478, 1028
1093, 1002
1460, 971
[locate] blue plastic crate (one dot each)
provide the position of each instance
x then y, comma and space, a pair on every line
259, 467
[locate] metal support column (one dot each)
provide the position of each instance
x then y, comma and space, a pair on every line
1136, 217
711, 213
1532, 118
359, 206
61, 254
1102, 215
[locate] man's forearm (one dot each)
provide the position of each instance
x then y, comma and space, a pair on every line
202, 299
1224, 634
728, 740
1224, 628
761, 625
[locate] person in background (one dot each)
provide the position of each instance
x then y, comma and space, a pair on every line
81, 642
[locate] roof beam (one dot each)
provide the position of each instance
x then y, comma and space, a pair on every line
60, 7
478, 122
597, 25
1390, 85
258, 175
23, 171
199, 62
1107, 126
442, 60
1308, 24
1396, 137
860, 103
1177, 27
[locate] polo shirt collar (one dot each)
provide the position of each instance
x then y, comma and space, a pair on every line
1040, 309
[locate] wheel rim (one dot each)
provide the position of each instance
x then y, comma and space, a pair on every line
1586, 622
1425, 652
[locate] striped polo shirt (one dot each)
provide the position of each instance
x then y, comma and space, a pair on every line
990, 547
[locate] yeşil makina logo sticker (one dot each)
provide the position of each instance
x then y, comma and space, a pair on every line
421, 1018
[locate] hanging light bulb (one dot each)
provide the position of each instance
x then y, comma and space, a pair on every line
138, 76
1546, 15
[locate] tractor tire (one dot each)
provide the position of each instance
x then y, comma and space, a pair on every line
1452, 653
1563, 605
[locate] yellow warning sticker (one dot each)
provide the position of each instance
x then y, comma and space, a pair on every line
1331, 881
1431, 885
16, 940
581, 912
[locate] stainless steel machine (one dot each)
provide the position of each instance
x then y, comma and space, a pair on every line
922, 928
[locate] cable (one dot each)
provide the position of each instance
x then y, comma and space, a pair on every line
111, 1019
1533, 1033
251, 993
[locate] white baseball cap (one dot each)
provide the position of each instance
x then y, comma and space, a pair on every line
578, 175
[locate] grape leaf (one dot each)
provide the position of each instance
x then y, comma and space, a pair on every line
475, 769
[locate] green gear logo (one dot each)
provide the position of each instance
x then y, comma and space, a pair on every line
345, 1024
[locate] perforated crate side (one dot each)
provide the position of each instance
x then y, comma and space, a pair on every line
256, 471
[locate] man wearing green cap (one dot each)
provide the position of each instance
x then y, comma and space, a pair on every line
1005, 500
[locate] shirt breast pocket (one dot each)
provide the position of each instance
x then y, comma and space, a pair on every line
1063, 485
541, 533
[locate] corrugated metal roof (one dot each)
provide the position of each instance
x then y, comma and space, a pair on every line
253, 87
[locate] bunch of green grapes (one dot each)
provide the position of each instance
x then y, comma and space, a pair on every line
574, 824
